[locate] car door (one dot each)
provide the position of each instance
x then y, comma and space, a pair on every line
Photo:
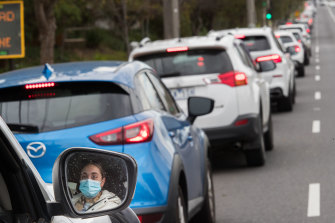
184, 137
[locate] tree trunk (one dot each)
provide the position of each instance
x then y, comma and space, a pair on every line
46, 20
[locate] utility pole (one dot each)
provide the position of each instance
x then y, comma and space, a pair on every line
251, 12
171, 19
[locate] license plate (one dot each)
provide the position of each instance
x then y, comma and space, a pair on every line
182, 93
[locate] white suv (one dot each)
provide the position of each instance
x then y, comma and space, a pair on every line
220, 68
305, 34
264, 46
294, 47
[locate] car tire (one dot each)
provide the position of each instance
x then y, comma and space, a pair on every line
301, 71
306, 59
180, 207
207, 212
268, 135
286, 103
256, 157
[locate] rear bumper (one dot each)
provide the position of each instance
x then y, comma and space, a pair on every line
234, 134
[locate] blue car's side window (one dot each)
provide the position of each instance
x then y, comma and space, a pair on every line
165, 95
148, 94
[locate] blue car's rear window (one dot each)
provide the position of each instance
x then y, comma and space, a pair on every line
65, 105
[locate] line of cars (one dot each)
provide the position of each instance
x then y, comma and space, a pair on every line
122, 107
245, 71
166, 112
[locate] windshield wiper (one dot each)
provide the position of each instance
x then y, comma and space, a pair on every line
174, 74
23, 128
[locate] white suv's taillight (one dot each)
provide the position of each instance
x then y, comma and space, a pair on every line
231, 78
133, 133
275, 57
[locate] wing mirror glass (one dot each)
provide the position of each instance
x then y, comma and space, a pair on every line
265, 66
92, 182
198, 106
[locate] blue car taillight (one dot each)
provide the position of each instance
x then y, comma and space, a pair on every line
134, 133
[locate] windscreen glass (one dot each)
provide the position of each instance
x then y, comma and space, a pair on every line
65, 105
190, 62
256, 43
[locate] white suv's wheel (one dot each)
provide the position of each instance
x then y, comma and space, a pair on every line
256, 157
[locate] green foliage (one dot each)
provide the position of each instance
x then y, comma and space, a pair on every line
143, 18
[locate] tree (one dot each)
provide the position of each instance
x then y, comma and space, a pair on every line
46, 21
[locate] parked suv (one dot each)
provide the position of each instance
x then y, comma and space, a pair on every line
121, 107
220, 68
264, 46
305, 34
294, 47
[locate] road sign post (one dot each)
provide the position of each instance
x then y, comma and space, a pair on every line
11, 30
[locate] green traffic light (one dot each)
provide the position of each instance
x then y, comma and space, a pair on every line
268, 16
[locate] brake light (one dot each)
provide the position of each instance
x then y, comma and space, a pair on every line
297, 49
310, 21
308, 30
299, 40
133, 133
277, 36
150, 218
241, 122
111, 137
138, 132
232, 78
275, 57
39, 85
177, 49
289, 23
239, 36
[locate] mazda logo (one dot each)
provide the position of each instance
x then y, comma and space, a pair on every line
36, 149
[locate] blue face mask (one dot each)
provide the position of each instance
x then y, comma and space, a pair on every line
90, 188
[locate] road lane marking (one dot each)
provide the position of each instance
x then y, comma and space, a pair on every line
314, 200
317, 109
317, 67
317, 60
317, 77
316, 126
317, 95
331, 14
317, 49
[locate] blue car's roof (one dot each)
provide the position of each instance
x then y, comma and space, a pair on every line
114, 71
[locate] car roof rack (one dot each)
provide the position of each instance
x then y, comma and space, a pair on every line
144, 41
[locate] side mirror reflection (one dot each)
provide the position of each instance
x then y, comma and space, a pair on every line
96, 182
93, 182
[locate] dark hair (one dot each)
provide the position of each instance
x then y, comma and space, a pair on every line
97, 164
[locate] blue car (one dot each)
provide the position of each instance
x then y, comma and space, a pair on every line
122, 107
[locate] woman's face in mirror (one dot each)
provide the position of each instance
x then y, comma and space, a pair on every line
92, 172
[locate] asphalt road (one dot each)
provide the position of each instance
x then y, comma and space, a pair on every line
297, 184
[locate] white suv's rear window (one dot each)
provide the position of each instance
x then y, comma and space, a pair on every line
286, 39
256, 43
191, 62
